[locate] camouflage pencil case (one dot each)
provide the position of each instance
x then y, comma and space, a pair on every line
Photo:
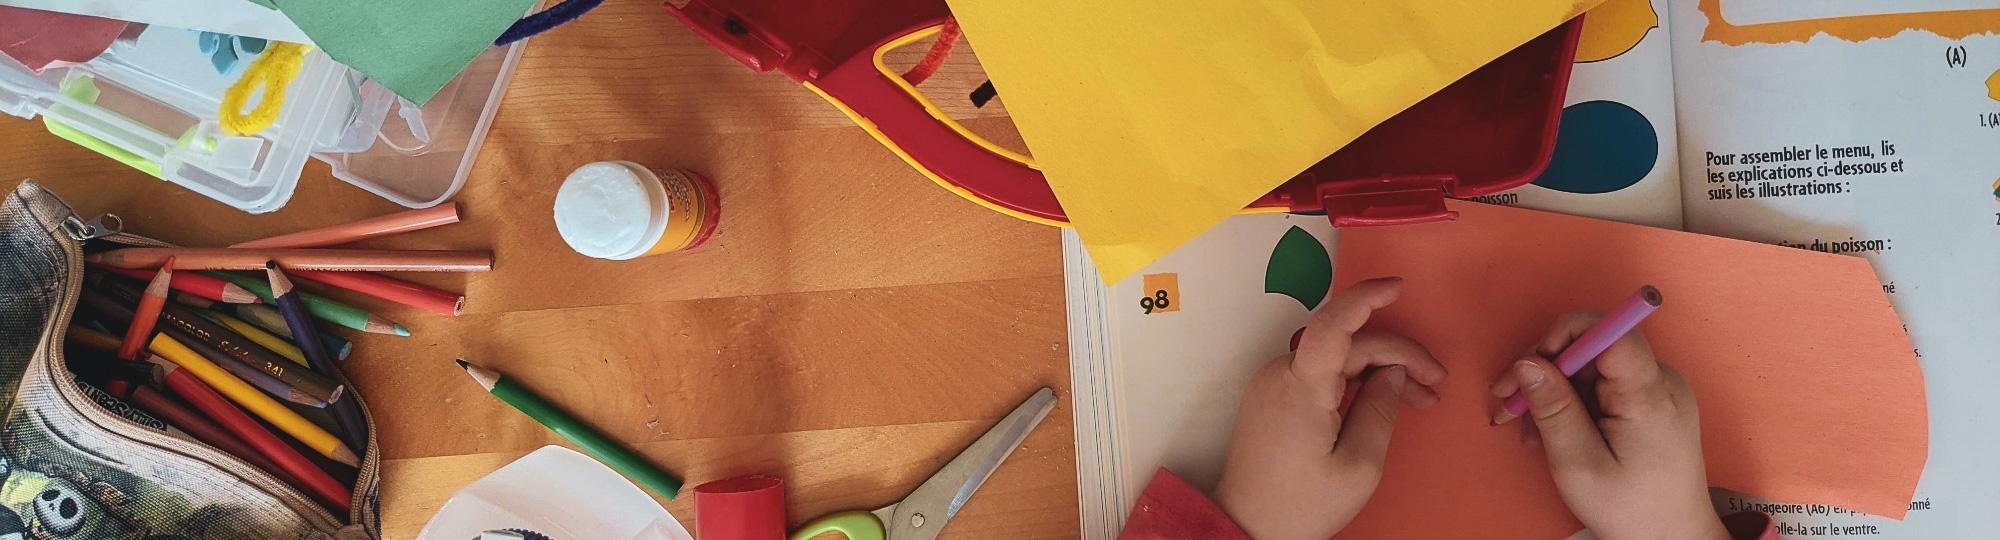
74, 469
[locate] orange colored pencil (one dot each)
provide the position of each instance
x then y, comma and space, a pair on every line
198, 285
375, 227
391, 289
337, 260
315, 482
144, 318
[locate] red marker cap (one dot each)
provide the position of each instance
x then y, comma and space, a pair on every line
742, 508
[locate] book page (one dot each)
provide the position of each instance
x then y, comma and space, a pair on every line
1616, 156
1866, 128
1160, 360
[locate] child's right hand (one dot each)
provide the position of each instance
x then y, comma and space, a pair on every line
1626, 453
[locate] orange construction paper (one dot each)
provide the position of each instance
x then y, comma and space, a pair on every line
1808, 387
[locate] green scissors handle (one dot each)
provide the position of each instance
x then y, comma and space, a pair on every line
855, 525
926, 511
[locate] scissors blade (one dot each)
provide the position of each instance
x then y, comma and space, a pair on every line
923, 514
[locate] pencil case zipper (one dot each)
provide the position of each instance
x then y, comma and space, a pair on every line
78, 231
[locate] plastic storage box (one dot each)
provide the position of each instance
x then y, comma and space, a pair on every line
151, 102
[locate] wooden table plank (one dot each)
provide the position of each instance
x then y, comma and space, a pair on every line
851, 327
826, 471
725, 367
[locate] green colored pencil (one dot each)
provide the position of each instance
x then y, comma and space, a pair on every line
605, 449
321, 307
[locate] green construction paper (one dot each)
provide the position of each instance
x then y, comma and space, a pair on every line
266, 3
411, 47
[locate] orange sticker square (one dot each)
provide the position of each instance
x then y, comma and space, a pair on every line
1163, 293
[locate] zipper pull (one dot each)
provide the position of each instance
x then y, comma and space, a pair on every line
102, 226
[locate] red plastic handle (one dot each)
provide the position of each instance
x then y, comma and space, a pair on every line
935, 144
1387, 201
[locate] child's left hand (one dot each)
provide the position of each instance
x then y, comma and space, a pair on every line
1297, 468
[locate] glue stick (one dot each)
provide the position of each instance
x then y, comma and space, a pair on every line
619, 210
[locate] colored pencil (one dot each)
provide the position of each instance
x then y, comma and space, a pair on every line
241, 350
283, 347
268, 383
107, 310
391, 289
92, 339
143, 319
98, 366
120, 408
541, 411
205, 431
173, 352
268, 319
312, 480
103, 367
375, 227
196, 284
190, 300
345, 413
322, 307
339, 260
1593, 342
235, 353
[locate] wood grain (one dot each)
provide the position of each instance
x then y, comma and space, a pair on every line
850, 328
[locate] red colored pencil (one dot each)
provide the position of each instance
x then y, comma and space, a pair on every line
312, 480
391, 289
158, 404
196, 284
144, 318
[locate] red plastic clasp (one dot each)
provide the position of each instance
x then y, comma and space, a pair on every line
1387, 201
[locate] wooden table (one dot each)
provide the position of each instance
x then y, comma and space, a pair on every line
850, 329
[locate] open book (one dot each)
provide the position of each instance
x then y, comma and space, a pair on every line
1862, 127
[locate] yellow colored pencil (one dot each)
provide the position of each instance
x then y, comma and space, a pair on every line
282, 346
253, 400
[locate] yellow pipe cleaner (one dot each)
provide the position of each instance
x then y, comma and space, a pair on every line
273, 72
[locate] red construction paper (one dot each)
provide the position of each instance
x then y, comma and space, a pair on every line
1809, 389
43, 39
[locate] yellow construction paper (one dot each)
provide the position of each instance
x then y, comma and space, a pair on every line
1155, 120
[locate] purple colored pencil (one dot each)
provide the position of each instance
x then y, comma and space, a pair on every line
1620, 321
346, 412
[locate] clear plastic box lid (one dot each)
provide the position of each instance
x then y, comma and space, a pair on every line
151, 102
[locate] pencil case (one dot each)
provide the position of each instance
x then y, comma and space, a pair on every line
1491, 131
74, 469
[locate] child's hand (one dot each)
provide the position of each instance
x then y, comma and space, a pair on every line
1626, 453
1296, 468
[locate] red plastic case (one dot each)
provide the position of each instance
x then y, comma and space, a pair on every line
1491, 131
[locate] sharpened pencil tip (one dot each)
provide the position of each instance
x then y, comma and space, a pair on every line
403, 332
270, 265
462, 364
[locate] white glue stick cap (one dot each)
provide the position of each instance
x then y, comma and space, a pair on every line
611, 210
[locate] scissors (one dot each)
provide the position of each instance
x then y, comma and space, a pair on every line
923, 513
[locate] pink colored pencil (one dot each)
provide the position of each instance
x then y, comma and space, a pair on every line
1620, 321
339, 260
376, 227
